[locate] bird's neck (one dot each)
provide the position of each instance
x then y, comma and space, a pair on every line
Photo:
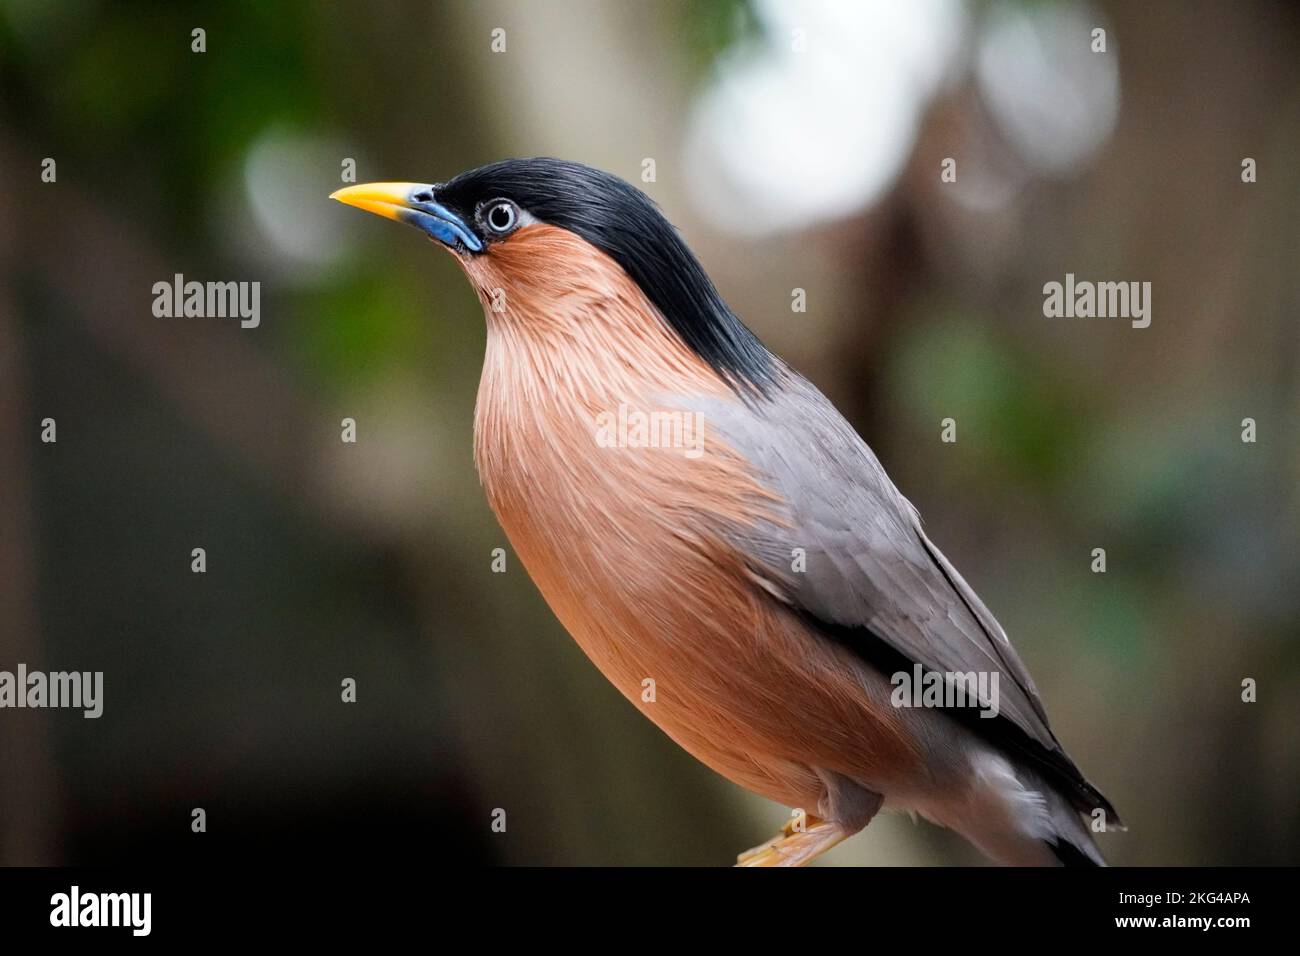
566, 344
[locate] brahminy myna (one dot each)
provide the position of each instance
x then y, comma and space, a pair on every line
707, 525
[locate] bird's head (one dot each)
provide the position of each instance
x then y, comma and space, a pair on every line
546, 231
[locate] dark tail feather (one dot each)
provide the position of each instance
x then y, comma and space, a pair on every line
1071, 843
1071, 855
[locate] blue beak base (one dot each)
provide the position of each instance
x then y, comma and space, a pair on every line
440, 223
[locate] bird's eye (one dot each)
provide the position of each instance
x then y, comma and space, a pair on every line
501, 217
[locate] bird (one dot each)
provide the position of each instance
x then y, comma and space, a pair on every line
720, 541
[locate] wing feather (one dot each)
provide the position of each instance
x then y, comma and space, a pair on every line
873, 580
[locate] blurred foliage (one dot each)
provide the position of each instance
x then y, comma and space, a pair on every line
1007, 400
714, 26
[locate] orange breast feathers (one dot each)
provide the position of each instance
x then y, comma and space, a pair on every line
604, 480
622, 505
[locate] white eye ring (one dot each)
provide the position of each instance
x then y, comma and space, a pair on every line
501, 217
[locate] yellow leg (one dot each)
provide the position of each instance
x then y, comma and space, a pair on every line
792, 847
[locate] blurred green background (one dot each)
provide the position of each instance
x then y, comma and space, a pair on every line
798, 145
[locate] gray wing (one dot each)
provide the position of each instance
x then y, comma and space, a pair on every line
873, 580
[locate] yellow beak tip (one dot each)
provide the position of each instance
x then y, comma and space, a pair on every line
389, 200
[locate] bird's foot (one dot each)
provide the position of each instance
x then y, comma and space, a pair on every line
795, 845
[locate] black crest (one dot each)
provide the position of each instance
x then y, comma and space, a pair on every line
626, 225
